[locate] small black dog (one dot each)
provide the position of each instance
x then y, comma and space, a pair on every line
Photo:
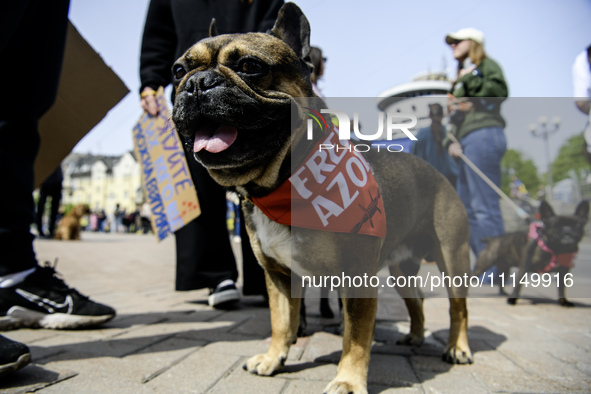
548, 247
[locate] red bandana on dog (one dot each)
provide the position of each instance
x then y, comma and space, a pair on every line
333, 190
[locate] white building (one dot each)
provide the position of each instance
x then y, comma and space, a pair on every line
102, 181
414, 97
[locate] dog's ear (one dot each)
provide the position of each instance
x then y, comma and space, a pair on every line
546, 210
293, 28
213, 30
582, 210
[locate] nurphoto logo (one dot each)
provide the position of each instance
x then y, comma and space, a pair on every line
344, 129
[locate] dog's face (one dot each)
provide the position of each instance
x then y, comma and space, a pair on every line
81, 210
563, 233
233, 97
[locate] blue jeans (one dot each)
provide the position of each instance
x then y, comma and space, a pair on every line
485, 148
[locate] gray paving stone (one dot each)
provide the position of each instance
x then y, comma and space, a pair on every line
172, 328
240, 345
197, 373
30, 336
119, 347
518, 382
298, 387
256, 324
164, 341
160, 357
309, 371
391, 371
427, 366
323, 347
539, 363
240, 381
392, 349
32, 378
96, 374
373, 389
452, 382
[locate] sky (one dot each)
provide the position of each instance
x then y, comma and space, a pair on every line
374, 45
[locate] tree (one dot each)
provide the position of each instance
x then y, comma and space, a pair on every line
570, 158
513, 164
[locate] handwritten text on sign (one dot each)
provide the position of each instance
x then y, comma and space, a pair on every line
165, 174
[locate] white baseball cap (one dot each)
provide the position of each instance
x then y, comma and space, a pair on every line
468, 33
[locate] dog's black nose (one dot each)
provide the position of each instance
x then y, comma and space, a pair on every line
203, 81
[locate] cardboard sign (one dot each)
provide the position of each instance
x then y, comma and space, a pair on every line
88, 89
166, 178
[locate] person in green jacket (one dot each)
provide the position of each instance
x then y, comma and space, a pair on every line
475, 115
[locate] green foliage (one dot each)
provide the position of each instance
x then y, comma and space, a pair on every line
513, 164
68, 208
570, 157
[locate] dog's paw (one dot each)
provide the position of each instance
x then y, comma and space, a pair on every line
455, 355
263, 365
511, 301
565, 302
411, 340
339, 387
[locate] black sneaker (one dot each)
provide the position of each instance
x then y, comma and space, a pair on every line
44, 300
13, 355
224, 295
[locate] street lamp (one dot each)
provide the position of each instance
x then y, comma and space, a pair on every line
543, 129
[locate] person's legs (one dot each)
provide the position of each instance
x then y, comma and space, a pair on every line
56, 196
463, 190
40, 211
253, 275
203, 249
39, 27
485, 148
31, 295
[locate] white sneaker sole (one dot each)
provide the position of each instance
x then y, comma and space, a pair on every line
15, 366
18, 317
223, 298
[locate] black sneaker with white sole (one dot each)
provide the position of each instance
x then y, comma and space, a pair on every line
44, 300
224, 295
13, 355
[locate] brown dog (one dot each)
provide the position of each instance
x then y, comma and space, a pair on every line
69, 226
234, 96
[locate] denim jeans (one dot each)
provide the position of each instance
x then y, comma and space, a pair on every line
485, 148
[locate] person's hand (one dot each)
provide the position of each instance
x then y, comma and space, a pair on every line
458, 104
455, 150
148, 101
468, 70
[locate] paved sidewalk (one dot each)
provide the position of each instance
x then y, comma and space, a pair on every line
164, 341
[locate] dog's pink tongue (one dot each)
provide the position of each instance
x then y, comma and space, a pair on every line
215, 142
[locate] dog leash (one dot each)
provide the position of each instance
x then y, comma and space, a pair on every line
520, 211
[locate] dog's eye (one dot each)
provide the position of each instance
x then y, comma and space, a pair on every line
178, 71
250, 67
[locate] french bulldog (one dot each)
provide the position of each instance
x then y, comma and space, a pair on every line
549, 246
234, 96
